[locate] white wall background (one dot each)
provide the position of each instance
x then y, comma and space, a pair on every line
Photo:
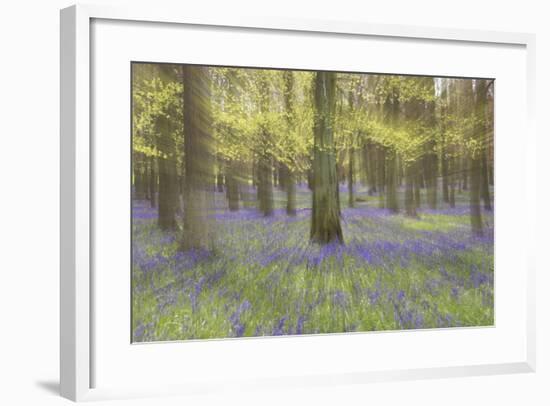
29, 203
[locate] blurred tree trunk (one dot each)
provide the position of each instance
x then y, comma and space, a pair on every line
431, 168
265, 182
219, 181
351, 180
370, 157
199, 161
475, 189
417, 182
391, 181
445, 175
485, 194
290, 194
381, 172
152, 184
325, 218
476, 155
168, 181
410, 204
289, 178
232, 186
452, 181
391, 114
137, 165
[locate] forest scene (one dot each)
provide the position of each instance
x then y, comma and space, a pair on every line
270, 202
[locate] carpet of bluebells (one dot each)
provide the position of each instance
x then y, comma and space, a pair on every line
266, 279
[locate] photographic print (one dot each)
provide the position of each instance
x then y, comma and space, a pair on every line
269, 202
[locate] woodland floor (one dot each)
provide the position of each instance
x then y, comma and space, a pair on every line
265, 278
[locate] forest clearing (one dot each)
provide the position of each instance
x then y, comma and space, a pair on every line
278, 202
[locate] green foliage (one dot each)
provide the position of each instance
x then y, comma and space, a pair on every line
260, 112
154, 97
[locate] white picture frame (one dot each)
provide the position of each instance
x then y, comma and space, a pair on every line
76, 279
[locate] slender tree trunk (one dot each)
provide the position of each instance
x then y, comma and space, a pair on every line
325, 217
417, 182
310, 179
475, 189
485, 194
431, 178
410, 204
265, 185
445, 176
199, 161
152, 182
452, 182
371, 168
465, 171
290, 184
219, 181
168, 182
232, 186
391, 182
138, 164
381, 172
351, 180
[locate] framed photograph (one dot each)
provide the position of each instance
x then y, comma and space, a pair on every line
275, 202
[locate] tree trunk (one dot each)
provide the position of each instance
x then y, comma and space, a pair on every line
485, 194
381, 174
475, 189
351, 180
431, 178
445, 176
290, 183
232, 186
391, 182
452, 182
410, 204
168, 182
152, 182
219, 181
265, 184
417, 184
370, 156
199, 161
325, 217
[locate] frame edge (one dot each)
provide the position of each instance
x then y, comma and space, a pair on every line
74, 204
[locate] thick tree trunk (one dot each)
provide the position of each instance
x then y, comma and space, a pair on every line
325, 217
199, 161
